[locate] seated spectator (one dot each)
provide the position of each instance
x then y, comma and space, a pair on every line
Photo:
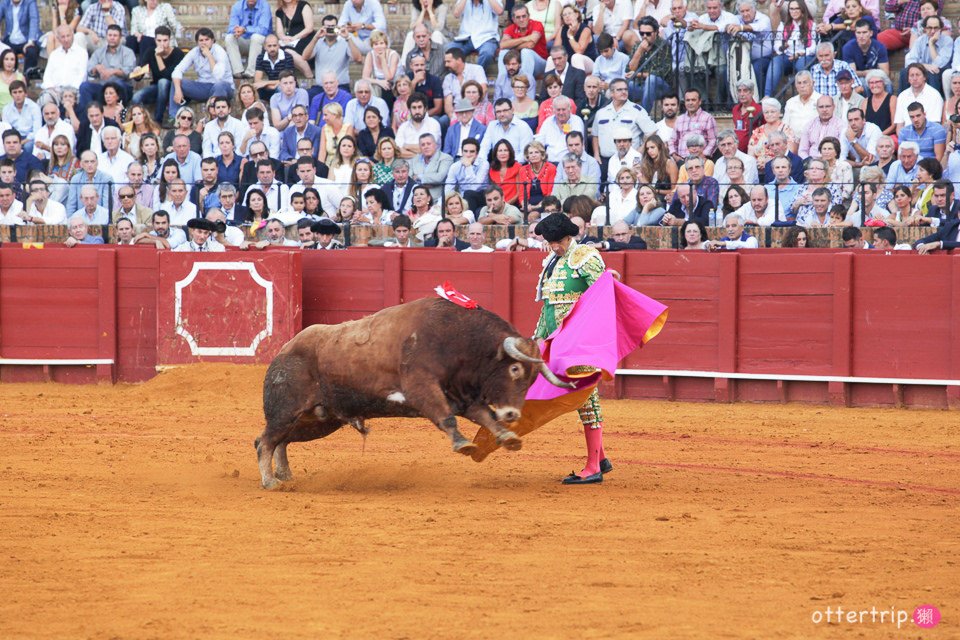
479, 28
456, 209
276, 193
904, 170
839, 172
688, 205
363, 17
626, 156
187, 160
946, 237
507, 126
880, 104
161, 234
817, 213
460, 74
734, 199
747, 114
527, 38
736, 237
89, 175
204, 192
259, 131
657, 168
332, 48
734, 177
183, 126
918, 91
795, 238
22, 31
694, 120
826, 124
570, 77
801, 109
401, 233
756, 28
838, 29
465, 127
827, 70
90, 210
125, 232
222, 123
209, 60
727, 144
803, 205
482, 107
96, 20
497, 211
931, 137
782, 188
621, 200
576, 37
181, 210
377, 207
852, 238
695, 146
795, 46
525, 107
381, 65
23, 114
621, 239
510, 73
11, 209
23, 162
269, 65
864, 53
111, 64
234, 213
886, 154
138, 124
431, 165
846, 97
861, 137
707, 187
250, 22
408, 135
114, 161
40, 208
430, 86
66, 67
475, 238
144, 22
79, 233
283, 101
926, 211
505, 171
276, 234
356, 108
445, 237
611, 63
693, 235
554, 130
574, 183
649, 210
933, 50
470, 174
615, 17
421, 43
331, 92
129, 209
885, 239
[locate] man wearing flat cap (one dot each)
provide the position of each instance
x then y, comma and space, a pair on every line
567, 272
200, 230
326, 231
463, 128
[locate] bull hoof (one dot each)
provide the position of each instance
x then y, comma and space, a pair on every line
509, 441
465, 447
270, 484
284, 474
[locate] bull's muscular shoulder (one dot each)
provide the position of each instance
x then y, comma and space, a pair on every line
582, 254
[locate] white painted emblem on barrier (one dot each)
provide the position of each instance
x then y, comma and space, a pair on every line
195, 348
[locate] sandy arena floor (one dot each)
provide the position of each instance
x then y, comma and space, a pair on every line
136, 512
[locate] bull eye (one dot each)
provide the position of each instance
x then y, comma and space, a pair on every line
516, 370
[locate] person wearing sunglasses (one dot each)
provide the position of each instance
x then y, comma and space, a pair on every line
653, 56
130, 209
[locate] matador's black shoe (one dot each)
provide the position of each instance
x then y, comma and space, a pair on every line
591, 479
606, 466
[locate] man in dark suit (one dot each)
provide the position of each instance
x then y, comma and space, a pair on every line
946, 237
91, 126
688, 205
304, 150
298, 129
445, 237
571, 77
777, 146
938, 209
400, 188
236, 213
622, 239
451, 142
947, 218
248, 175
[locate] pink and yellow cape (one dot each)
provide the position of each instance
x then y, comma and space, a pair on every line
606, 324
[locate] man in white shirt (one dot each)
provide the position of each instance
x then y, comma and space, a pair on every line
553, 132
408, 135
670, 108
223, 122
475, 237
11, 209
918, 91
615, 18
41, 209
862, 137
277, 193
276, 234
626, 156
66, 65
180, 209
114, 161
801, 109
91, 211
735, 238
727, 144
53, 126
260, 131
162, 235
200, 231
212, 65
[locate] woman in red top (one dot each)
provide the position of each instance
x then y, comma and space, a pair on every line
536, 178
505, 171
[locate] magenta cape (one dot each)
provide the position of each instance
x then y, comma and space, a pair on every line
607, 323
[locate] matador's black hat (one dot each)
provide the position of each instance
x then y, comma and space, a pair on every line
201, 223
555, 227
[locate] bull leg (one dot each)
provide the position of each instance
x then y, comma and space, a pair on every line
487, 419
428, 399
266, 445
280, 463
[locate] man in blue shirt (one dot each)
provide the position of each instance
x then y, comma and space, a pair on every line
361, 17
21, 31
479, 28
864, 52
250, 22
931, 137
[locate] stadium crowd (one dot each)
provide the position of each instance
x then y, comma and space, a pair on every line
590, 107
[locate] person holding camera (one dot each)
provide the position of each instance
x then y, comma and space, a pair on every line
332, 49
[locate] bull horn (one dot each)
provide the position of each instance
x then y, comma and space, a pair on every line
553, 379
510, 346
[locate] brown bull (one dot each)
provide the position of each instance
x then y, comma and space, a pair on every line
428, 358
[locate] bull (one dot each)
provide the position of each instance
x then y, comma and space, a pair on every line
429, 358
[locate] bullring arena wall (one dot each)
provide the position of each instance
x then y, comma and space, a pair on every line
821, 326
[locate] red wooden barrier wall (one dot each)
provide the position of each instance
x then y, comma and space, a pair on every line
775, 312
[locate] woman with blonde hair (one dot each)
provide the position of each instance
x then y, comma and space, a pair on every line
62, 163
333, 131
482, 109
525, 107
537, 177
621, 200
139, 123
387, 152
341, 162
402, 90
381, 65
456, 209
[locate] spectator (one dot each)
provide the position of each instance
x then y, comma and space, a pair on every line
801, 109
66, 66
431, 165
818, 213
706, 186
333, 131
931, 137
362, 17
795, 47
125, 232
201, 231
24, 163
795, 238
885, 239
21, 31
11, 209
507, 127
357, 106
78, 230
510, 74
527, 38
618, 114
587, 108
687, 205
734, 199
755, 27
129, 209
839, 171
409, 133
946, 236
626, 156
63, 164
276, 193
445, 237
283, 101
870, 209
727, 143
145, 20
250, 22
209, 60
838, 29
483, 109
615, 17
400, 189
657, 168
429, 86
649, 210
259, 131
89, 175
111, 64
161, 235
331, 93
803, 205
736, 237
470, 174
222, 123
478, 28
571, 78
782, 189
387, 152
91, 211
574, 183
114, 161
555, 128
381, 66
827, 124
187, 160
505, 171
40, 209
693, 235
268, 67
300, 130
846, 97
464, 128
694, 120
904, 170
670, 110
401, 233
864, 53
431, 51
747, 114
138, 124
96, 20
332, 50
204, 192
184, 127
276, 234
621, 199
378, 206
576, 38
497, 211
143, 192
906, 13
611, 63
933, 50
475, 237
181, 210
234, 213
918, 91
460, 74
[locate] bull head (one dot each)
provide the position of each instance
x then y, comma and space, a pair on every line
512, 349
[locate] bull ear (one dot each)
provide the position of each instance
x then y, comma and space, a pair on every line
501, 354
